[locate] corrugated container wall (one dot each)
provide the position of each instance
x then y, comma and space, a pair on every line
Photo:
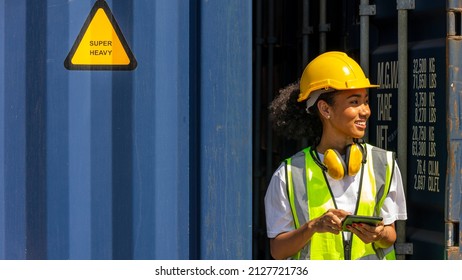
149, 163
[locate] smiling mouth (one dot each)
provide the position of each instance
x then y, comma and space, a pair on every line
361, 124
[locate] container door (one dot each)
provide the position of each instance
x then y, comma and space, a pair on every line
427, 129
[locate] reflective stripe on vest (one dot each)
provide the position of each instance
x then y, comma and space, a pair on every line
304, 177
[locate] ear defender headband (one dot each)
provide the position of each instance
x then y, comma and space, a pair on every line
338, 168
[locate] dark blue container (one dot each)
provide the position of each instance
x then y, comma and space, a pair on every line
150, 163
431, 101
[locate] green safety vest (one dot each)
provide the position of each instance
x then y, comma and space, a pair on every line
310, 196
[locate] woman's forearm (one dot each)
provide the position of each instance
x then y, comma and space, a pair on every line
289, 243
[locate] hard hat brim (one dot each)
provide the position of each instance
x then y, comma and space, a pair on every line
329, 85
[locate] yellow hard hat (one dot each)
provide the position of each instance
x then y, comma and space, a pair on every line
331, 71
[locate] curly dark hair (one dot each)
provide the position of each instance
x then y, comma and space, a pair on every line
290, 118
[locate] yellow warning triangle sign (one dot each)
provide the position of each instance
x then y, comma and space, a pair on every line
100, 44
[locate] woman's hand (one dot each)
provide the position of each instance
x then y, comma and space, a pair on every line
331, 221
382, 235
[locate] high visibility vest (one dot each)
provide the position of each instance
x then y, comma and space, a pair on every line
310, 197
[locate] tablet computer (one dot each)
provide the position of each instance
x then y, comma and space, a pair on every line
352, 219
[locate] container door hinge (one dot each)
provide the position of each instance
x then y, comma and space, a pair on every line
307, 30
324, 27
404, 248
452, 236
405, 4
367, 10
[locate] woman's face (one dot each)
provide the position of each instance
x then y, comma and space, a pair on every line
348, 115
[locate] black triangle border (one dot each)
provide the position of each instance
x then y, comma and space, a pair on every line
67, 62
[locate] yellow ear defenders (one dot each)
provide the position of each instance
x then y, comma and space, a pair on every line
337, 168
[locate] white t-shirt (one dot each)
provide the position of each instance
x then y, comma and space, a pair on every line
279, 215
